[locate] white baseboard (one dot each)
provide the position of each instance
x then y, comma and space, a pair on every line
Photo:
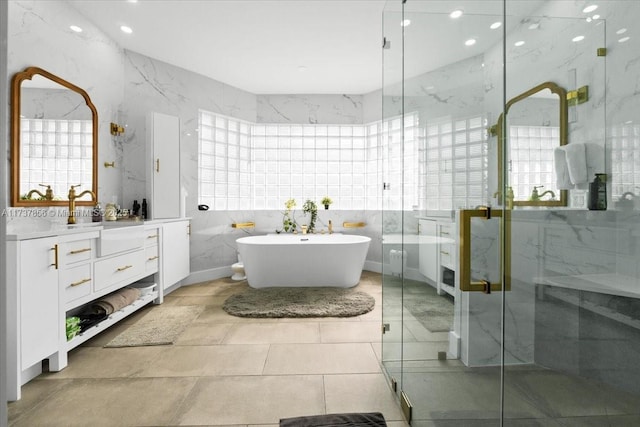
207, 275
220, 272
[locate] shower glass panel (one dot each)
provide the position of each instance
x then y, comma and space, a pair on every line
390, 152
544, 305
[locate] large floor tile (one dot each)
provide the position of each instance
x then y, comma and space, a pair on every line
273, 333
111, 402
204, 334
186, 361
251, 400
337, 332
361, 393
33, 394
96, 362
321, 359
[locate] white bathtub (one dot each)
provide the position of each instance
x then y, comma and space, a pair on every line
303, 259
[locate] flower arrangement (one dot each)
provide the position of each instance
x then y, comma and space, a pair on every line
326, 201
311, 208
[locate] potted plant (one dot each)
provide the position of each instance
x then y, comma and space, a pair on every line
311, 208
326, 201
288, 221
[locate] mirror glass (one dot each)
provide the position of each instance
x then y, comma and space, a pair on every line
54, 140
536, 124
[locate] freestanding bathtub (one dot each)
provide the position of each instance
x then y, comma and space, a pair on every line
303, 259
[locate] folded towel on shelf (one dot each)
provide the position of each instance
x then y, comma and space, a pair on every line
115, 301
571, 160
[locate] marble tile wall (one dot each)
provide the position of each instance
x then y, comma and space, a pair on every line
39, 35
312, 109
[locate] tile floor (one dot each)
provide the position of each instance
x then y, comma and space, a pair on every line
223, 370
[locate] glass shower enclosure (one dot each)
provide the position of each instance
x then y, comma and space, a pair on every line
505, 299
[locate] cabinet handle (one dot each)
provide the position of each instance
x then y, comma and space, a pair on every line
80, 282
445, 233
124, 268
79, 251
151, 258
444, 252
188, 229
157, 165
55, 256
153, 236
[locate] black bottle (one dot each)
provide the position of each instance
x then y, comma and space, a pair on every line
144, 209
598, 193
136, 208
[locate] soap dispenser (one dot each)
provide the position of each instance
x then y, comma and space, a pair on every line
598, 193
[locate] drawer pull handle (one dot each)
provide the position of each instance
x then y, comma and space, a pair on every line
80, 282
152, 258
444, 252
126, 267
445, 233
152, 236
79, 251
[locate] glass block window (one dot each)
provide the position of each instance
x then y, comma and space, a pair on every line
58, 153
625, 160
531, 162
452, 164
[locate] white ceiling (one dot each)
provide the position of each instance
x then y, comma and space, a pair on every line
261, 45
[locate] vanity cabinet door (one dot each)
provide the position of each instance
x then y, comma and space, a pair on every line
39, 299
175, 252
428, 252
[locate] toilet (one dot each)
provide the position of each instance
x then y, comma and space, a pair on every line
238, 270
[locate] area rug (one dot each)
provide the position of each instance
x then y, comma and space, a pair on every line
161, 326
299, 302
373, 419
433, 311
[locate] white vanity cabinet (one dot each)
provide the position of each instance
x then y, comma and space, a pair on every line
428, 252
437, 252
175, 252
163, 173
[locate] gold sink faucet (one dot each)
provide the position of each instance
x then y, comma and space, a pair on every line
72, 202
330, 227
48, 194
537, 197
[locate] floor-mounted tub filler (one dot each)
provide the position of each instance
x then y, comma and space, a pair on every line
303, 259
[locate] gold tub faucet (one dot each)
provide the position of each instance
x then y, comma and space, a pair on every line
72, 202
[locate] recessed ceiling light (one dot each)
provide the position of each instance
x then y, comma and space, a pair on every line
596, 17
405, 22
519, 43
495, 25
621, 31
590, 8
624, 39
456, 14
302, 68
534, 26
577, 39
126, 29
75, 28
132, 1
470, 42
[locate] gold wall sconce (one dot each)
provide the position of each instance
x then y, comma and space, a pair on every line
243, 225
116, 129
109, 164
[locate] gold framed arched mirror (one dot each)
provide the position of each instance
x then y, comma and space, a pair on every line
536, 124
54, 140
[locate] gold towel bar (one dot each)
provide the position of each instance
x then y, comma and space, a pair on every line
353, 224
243, 224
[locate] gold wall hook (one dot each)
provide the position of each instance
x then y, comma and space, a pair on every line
110, 164
116, 129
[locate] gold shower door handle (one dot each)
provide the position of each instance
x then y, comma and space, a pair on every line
467, 284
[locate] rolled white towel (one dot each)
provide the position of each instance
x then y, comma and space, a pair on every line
563, 181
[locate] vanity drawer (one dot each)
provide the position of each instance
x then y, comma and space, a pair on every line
152, 236
446, 230
118, 269
151, 257
76, 282
76, 251
447, 256
121, 239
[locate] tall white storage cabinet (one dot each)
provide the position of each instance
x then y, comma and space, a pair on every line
163, 175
